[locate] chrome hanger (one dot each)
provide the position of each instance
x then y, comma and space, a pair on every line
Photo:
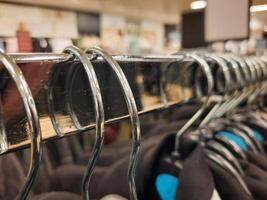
242, 134
69, 89
228, 103
262, 68
210, 85
259, 77
133, 112
226, 89
33, 119
239, 83
217, 147
3, 135
232, 146
249, 132
258, 84
227, 77
99, 115
214, 145
50, 101
212, 153
244, 92
264, 84
250, 77
246, 74
231, 125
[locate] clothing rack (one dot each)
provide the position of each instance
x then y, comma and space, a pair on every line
19, 138
63, 94
16, 131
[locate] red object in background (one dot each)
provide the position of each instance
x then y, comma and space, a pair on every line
24, 39
111, 133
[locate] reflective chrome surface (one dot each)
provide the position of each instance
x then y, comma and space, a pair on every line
52, 57
134, 118
34, 132
98, 112
40, 69
142, 72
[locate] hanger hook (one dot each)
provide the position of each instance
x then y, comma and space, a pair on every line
3, 135
263, 66
210, 84
99, 115
33, 119
238, 90
261, 74
50, 98
256, 76
71, 74
163, 80
227, 79
133, 112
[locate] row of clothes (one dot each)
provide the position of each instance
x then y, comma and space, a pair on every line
224, 161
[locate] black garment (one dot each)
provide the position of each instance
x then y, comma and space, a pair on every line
226, 184
11, 176
111, 153
113, 178
196, 180
257, 159
106, 180
256, 180
41, 183
70, 150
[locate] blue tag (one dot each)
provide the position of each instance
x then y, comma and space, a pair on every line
257, 135
234, 138
167, 185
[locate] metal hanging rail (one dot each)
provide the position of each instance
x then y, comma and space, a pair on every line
61, 77
38, 68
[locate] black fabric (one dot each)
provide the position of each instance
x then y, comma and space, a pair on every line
256, 180
60, 152
67, 178
256, 187
257, 159
195, 180
111, 153
11, 175
251, 170
227, 186
41, 183
113, 178
70, 150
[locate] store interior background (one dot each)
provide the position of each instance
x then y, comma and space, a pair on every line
119, 26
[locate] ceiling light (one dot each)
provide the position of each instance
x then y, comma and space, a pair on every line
258, 8
198, 4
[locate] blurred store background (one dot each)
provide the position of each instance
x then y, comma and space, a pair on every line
120, 26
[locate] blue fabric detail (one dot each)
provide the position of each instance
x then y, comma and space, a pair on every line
234, 138
167, 185
257, 135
